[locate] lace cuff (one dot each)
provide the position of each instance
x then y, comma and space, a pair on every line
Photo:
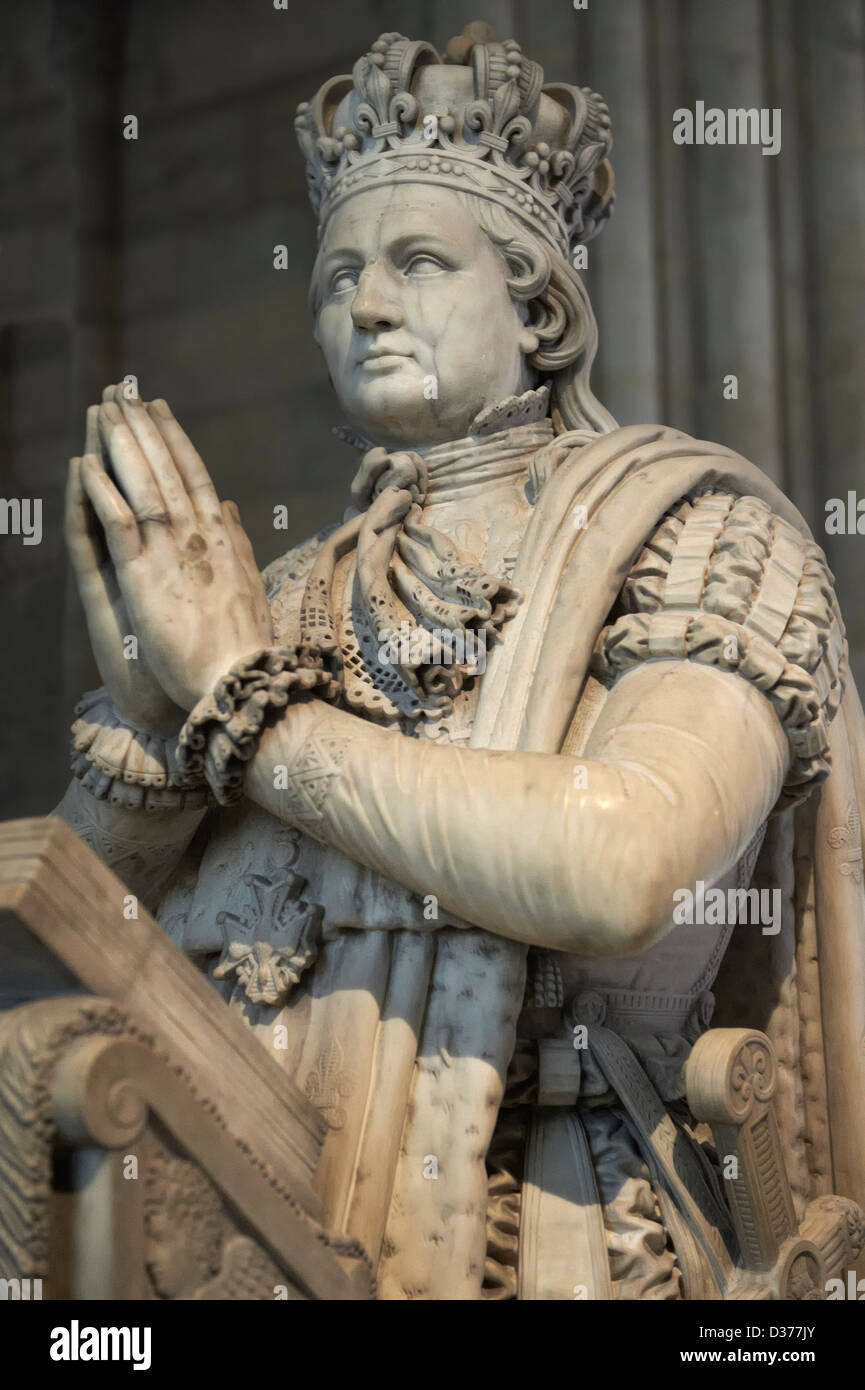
127, 767
222, 732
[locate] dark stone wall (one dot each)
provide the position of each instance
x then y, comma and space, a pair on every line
155, 257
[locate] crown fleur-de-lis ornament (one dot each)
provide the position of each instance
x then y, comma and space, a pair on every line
478, 119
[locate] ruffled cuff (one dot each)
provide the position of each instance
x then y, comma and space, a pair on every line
222, 731
128, 767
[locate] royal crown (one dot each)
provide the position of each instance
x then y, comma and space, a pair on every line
477, 119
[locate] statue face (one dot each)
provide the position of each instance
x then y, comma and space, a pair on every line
415, 320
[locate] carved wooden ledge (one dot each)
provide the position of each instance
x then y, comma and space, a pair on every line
155, 1181
156, 1068
730, 1077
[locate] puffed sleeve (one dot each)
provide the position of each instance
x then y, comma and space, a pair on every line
726, 582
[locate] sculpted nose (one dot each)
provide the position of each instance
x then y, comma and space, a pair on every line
373, 305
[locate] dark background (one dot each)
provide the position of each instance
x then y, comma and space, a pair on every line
156, 257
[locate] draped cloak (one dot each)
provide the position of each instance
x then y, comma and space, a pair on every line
404, 1038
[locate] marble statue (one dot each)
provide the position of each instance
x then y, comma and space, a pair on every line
477, 804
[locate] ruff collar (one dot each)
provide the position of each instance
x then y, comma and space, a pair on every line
500, 443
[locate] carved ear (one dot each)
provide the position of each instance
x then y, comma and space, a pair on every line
560, 328
528, 341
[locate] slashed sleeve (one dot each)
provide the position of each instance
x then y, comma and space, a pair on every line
725, 582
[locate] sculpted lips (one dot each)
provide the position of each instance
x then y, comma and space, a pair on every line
383, 358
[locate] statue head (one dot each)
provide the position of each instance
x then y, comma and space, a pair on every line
452, 194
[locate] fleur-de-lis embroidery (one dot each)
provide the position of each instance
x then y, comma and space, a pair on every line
849, 834
329, 1083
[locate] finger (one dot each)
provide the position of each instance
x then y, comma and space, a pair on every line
82, 536
156, 451
131, 468
118, 522
240, 540
92, 442
188, 461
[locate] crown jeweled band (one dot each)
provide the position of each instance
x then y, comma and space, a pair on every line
480, 120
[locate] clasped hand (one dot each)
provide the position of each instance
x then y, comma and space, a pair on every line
158, 556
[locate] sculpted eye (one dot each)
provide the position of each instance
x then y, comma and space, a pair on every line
425, 265
343, 280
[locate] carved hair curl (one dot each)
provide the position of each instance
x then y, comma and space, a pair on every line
560, 314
